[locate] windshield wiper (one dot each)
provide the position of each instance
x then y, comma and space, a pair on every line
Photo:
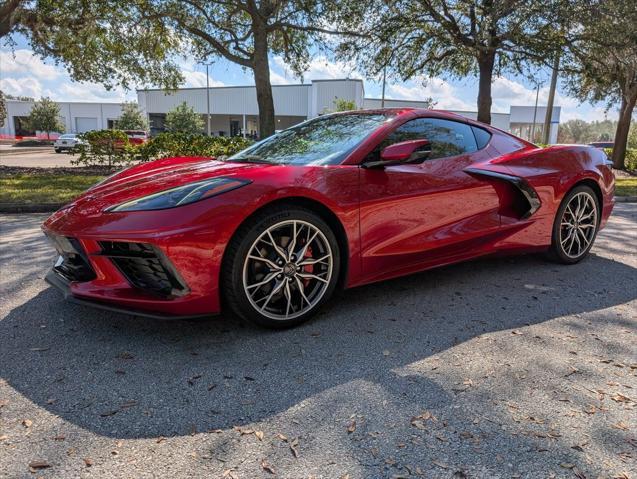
250, 159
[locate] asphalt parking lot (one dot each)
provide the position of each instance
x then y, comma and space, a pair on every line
41, 157
499, 368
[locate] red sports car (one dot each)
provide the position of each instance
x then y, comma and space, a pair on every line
335, 202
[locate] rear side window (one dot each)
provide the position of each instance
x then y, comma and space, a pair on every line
447, 137
482, 137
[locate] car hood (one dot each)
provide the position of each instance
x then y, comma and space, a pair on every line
153, 177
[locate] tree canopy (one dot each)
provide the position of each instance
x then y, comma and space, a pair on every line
601, 61
246, 32
132, 118
453, 38
45, 116
103, 42
184, 118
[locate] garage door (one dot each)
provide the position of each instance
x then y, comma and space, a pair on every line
83, 124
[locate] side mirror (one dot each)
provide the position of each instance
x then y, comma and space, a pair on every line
412, 151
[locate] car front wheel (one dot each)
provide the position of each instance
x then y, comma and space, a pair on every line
281, 267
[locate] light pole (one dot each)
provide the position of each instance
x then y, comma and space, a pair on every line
207, 101
382, 100
537, 94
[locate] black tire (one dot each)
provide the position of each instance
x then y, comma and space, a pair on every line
236, 266
57, 150
560, 252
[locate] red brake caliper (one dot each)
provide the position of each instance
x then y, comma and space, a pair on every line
308, 268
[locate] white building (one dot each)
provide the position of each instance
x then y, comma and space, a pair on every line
77, 117
234, 110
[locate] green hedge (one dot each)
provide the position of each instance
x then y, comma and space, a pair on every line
630, 160
103, 148
112, 148
166, 145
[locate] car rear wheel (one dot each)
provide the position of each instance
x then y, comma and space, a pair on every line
281, 267
57, 150
576, 225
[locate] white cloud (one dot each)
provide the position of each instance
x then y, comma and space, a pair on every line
319, 68
507, 92
195, 79
23, 87
445, 95
25, 62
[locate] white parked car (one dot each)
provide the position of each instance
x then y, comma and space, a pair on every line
67, 142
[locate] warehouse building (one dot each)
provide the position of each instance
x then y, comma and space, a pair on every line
233, 110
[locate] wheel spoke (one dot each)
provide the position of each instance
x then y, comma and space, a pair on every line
270, 263
276, 247
311, 261
311, 276
267, 279
275, 290
301, 288
288, 295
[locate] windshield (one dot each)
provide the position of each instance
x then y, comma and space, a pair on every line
67, 136
325, 140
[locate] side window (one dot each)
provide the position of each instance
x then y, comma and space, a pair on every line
448, 138
482, 137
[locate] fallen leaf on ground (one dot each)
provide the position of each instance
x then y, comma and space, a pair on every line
293, 447
39, 464
109, 413
88, 461
621, 425
259, 435
440, 464
621, 398
27, 422
351, 427
39, 349
125, 355
267, 467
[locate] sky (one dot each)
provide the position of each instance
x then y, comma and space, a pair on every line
25, 74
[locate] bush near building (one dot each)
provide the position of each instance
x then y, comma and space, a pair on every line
112, 148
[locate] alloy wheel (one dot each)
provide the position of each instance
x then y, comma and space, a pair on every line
578, 225
288, 269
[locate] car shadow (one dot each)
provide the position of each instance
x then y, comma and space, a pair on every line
126, 377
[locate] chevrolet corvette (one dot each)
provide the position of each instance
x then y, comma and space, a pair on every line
338, 201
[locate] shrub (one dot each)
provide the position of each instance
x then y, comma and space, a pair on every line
630, 160
170, 144
104, 148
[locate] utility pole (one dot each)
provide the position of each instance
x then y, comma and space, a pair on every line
382, 100
549, 106
207, 101
537, 94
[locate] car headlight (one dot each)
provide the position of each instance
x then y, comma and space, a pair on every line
182, 195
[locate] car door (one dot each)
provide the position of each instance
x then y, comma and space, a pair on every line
432, 212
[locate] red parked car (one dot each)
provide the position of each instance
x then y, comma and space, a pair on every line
335, 202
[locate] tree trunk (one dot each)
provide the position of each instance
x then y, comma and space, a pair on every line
623, 126
261, 69
485, 65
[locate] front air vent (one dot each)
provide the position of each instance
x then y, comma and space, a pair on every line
145, 267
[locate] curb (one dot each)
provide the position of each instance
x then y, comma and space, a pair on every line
625, 199
33, 208
18, 150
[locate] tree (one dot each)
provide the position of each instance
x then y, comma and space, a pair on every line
247, 32
452, 38
344, 105
3, 109
45, 116
97, 41
132, 118
602, 62
183, 118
